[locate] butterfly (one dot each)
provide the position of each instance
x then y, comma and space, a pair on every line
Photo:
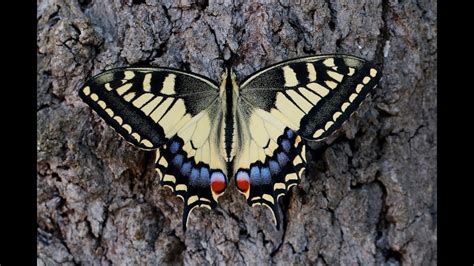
255, 131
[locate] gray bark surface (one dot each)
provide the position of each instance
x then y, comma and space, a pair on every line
368, 196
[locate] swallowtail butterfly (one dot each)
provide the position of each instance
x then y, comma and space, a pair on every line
253, 131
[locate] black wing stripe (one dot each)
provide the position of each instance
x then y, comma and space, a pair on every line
340, 103
120, 109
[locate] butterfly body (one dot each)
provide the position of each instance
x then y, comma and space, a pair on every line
254, 132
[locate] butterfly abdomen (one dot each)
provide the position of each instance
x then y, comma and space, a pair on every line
229, 85
229, 119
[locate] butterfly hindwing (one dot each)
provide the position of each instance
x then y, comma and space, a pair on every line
195, 183
287, 104
268, 177
176, 113
190, 163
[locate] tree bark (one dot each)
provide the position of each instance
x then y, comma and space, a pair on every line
368, 195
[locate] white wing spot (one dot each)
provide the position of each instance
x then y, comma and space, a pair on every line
102, 104
129, 75
192, 199
129, 96
311, 72
291, 176
279, 186
136, 136
336, 116
269, 198
318, 133
297, 160
118, 119
168, 85
328, 125
181, 187
109, 112
351, 71
163, 162
127, 128
146, 143
344, 106
366, 80
290, 77
352, 97
147, 82
94, 97
329, 62
169, 178
86, 90
373, 72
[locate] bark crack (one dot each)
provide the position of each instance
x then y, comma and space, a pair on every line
333, 16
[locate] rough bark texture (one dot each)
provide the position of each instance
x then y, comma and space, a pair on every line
369, 194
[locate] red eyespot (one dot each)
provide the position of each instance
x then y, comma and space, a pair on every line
217, 182
243, 181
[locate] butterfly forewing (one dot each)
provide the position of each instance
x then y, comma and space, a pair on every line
312, 95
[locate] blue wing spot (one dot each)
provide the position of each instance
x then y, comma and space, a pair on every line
242, 175
282, 159
265, 173
178, 160
255, 173
204, 173
194, 174
274, 167
289, 133
199, 177
186, 169
174, 147
286, 145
